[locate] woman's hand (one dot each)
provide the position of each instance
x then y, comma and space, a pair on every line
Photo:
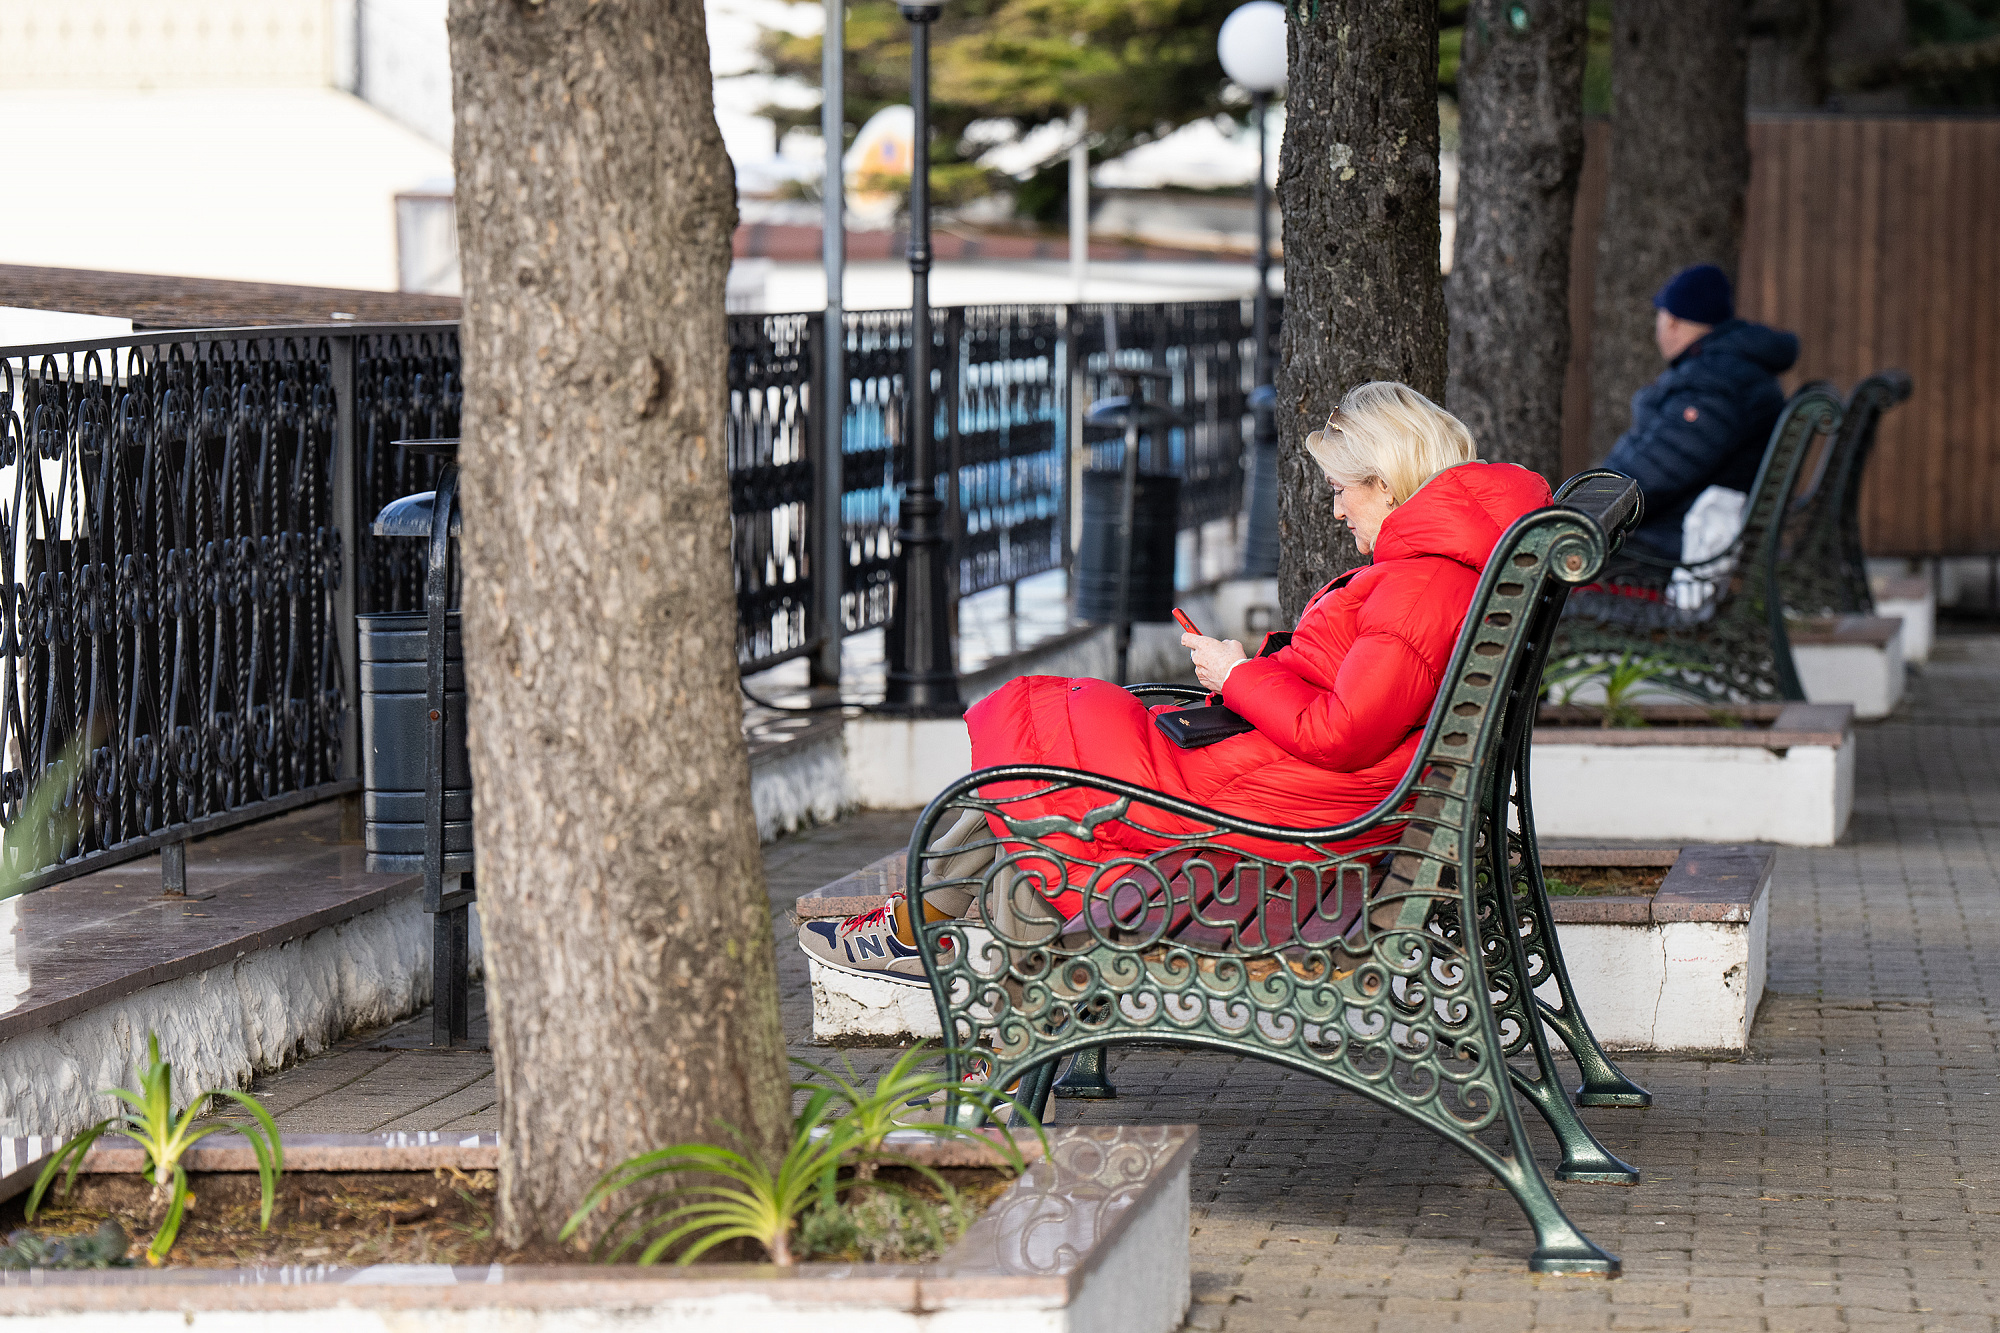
1213, 658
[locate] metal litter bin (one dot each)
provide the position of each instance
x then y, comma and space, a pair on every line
394, 703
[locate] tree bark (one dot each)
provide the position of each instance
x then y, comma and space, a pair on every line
1364, 297
631, 980
1680, 163
1520, 106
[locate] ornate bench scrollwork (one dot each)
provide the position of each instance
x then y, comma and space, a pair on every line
1396, 956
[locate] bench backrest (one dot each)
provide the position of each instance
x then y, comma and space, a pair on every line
1823, 571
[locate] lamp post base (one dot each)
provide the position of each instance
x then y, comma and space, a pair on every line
922, 697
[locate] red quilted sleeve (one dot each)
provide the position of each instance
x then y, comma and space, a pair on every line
1382, 690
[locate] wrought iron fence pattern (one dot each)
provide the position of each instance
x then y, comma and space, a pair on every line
176, 528
871, 445
169, 558
772, 445
1004, 440
406, 387
1209, 349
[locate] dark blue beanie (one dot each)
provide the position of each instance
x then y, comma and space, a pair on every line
1700, 294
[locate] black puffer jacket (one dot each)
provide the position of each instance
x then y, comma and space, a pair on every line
1704, 422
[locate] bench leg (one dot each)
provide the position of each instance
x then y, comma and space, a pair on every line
1510, 954
1033, 1096
1604, 1084
1584, 1158
1088, 1076
1560, 1247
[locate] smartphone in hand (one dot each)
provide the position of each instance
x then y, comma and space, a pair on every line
1186, 624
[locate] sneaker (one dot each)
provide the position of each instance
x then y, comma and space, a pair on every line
865, 945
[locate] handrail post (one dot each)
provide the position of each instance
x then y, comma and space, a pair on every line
347, 525
828, 421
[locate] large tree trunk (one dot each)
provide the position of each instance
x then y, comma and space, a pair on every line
631, 979
1680, 163
1364, 298
1520, 102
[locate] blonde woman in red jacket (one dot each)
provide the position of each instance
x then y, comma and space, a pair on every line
1337, 712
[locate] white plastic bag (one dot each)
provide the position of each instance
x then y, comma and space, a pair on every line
1707, 535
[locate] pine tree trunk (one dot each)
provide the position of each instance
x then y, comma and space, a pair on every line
1520, 102
1680, 164
1364, 298
631, 980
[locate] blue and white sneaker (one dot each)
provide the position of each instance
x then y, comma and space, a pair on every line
865, 945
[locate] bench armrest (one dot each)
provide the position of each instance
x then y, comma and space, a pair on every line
1168, 690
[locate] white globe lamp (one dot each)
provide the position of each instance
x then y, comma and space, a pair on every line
1252, 46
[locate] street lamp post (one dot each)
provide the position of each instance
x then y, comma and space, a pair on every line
1251, 46
1261, 320
922, 679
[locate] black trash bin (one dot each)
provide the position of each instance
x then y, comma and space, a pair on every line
1156, 509
393, 705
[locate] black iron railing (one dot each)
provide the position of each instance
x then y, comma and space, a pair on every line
1012, 384
1208, 346
406, 387
171, 567
184, 530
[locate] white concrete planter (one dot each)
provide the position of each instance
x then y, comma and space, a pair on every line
897, 763
1093, 1238
846, 1006
798, 773
1854, 660
1913, 601
1786, 775
1678, 971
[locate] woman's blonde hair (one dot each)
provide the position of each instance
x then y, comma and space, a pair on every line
1389, 432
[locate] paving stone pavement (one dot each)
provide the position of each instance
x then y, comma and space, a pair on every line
1841, 1175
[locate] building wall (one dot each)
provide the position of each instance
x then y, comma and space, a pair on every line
147, 44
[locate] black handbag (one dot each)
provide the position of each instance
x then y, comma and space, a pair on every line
1192, 728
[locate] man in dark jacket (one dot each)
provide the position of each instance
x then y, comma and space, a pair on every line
1706, 420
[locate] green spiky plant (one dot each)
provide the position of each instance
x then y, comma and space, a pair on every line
876, 1114
165, 1138
745, 1200
1622, 678
740, 1197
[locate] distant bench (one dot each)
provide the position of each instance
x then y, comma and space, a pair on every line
1784, 613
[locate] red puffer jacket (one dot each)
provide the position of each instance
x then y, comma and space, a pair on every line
1338, 712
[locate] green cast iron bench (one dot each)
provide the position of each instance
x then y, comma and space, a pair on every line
1823, 571
1725, 640
1406, 973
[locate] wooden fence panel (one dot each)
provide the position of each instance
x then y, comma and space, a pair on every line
1876, 240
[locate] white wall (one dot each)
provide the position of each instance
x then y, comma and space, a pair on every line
291, 185
137, 44
406, 64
